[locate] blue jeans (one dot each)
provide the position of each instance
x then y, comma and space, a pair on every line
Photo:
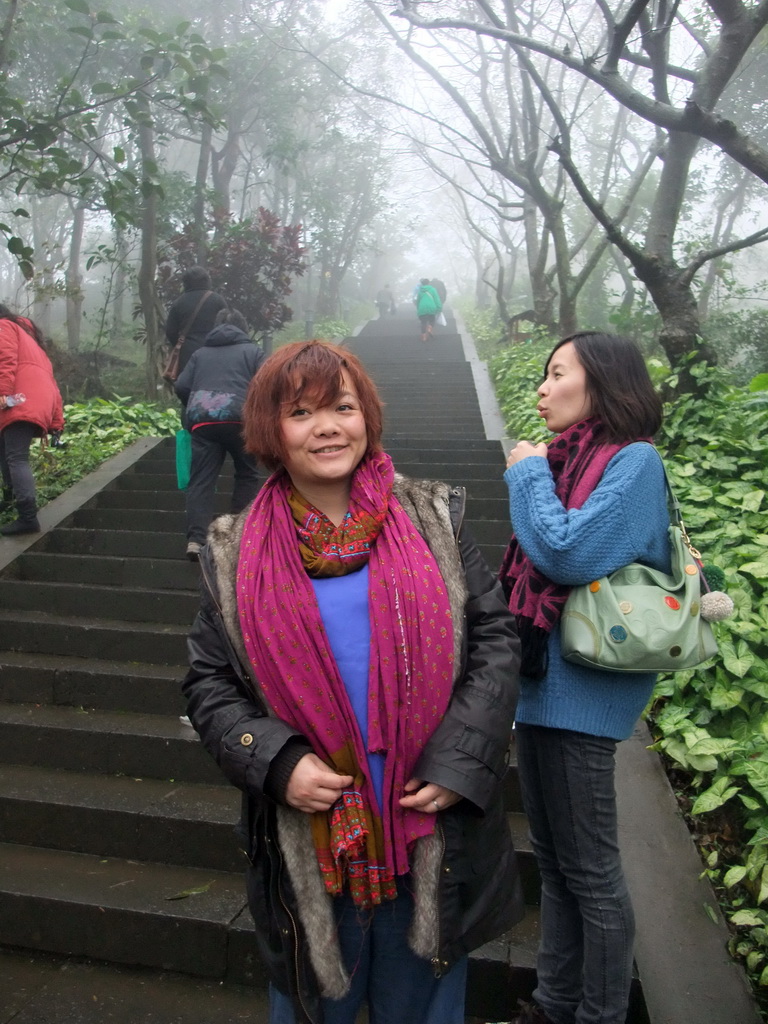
398, 986
584, 964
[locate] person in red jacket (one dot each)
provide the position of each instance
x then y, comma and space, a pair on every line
25, 370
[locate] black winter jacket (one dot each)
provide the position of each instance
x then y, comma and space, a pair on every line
466, 886
203, 323
214, 383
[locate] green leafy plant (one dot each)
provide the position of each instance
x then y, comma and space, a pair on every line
517, 371
95, 431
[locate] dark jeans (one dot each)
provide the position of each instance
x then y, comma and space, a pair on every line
210, 444
399, 987
14, 463
587, 924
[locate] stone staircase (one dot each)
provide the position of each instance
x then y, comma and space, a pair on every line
116, 830
121, 883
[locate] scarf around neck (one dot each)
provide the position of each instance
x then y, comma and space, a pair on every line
357, 843
577, 459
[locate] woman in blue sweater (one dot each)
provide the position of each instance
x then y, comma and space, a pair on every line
590, 501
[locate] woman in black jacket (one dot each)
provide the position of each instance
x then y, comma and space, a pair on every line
353, 669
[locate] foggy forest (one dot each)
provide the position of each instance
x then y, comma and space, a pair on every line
565, 165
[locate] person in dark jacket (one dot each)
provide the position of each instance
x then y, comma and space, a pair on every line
440, 288
353, 669
193, 313
213, 386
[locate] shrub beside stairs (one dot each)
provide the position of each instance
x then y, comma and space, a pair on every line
116, 830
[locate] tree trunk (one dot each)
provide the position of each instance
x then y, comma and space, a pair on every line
148, 265
201, 179
120, 287
74, 280
674, 298
223, 165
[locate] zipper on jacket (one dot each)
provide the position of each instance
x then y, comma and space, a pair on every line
461, 494
439, 966
287, 910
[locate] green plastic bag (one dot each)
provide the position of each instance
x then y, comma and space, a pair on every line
183, 457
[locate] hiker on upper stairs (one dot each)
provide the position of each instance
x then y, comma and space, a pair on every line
428, 305
193, 315
353, 669
385, 301
30, 407
213, 386
582, 506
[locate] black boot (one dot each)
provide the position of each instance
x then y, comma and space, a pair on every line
27, 521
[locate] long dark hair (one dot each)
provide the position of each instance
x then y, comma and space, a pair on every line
618, 385
25, 324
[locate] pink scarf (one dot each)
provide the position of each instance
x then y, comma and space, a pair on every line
410, 675
577, 458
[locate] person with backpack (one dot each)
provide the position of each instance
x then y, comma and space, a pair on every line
213, 386
428, 305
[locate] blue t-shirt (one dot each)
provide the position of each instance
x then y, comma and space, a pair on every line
343, 603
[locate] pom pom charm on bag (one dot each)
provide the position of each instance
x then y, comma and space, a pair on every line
715, 603
716, 606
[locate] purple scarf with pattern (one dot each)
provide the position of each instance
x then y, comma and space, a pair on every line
577, 458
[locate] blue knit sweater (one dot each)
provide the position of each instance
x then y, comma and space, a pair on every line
625, 519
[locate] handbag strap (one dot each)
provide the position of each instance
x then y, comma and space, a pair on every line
198, 307
675, 510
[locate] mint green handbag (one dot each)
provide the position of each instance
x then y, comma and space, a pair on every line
638, 619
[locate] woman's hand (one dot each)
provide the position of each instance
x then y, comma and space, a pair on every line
524, 450
427, 797
313, 786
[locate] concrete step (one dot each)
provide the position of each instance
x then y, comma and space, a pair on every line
136, 572
119, 910
131, 604
119, 543
89, 683
42, 633
122, 817
41, 988
103, 743
143, 520
166, 500
440, 354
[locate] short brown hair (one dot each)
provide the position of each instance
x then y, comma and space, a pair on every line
303, 369
619, 387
